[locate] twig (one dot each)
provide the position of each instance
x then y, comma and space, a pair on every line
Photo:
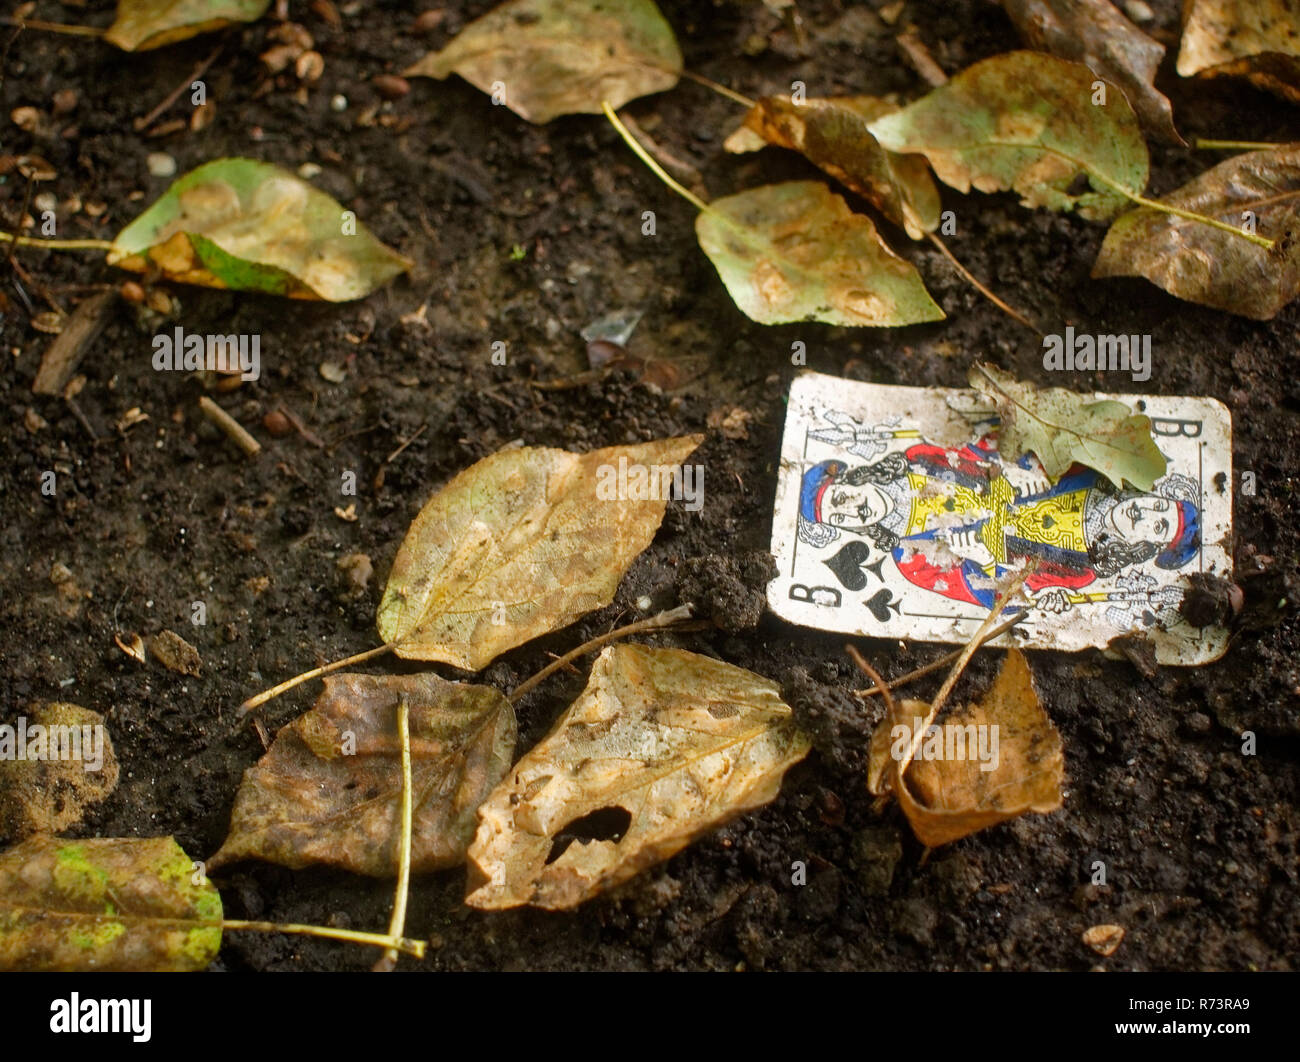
51, 27
397, 453
1201, 144
397, 926
919, 59
233, 429
57, 245
175, 94
316, 672
382, 940
663, 619
1016, 314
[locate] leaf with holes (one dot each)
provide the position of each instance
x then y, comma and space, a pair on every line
521, 544
1206, 265
1063, 428
250, 226
329, 788
662, 746
144, 24
1027, 122
833, 134
545, 58
796, 252
106, 904
1258, 40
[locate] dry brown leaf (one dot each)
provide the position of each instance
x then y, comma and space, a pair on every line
951, 797
1255, 39
523, 543
175, 653
661, 746
1104, 939
329, 788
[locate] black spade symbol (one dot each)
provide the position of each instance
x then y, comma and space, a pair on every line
880, 604
850, 567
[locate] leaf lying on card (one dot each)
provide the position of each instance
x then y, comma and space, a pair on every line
1096, 33
1255, 39
62, 769
1062, 427
1026, 121
545, 58
661, 746
523, 543
247, 225
833, 134
796, 252
947, 793
144, 24
106, 904
1206, 265
329, 788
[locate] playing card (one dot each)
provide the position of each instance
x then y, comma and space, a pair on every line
896, 517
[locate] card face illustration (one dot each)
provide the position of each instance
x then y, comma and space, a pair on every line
896, 517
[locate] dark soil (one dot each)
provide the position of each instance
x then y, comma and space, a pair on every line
1199, 841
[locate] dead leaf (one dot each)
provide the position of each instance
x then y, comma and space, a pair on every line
175, 653
1095, 33
144, 24
951, 795
1255, 39
1209, 266
106, 904
522, 543
1104, 939
833, 134
545, 58
132, 645
48, 777
1062, 428
662, 746
329, 789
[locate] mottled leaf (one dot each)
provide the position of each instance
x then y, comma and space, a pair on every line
1063, 428
833, 134
144, 24
329, 788
662, 746
1094, 32
796, 252
106, 904
948, 791
523, 543
545, 58
65, 766
1207, 265
247, 225
1025, 121
1258, 40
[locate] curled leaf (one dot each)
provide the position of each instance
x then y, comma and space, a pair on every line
1063, 427
1206, 265
247, 225
329, 788
796, 252
522, 543
661, 746
106, 904
1027, 122
1258, 40
833, 134
144, 24
545, 58
1094, 32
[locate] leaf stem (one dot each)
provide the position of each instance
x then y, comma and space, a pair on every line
1165, 208
57, 245
397, 926
316, 672
382, 940
655, 168
721, 90
52, 27
1015, 314
1234, 145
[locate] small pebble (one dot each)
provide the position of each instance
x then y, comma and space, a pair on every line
428, 20
308, 170
277, 424
390, 86
339, 103
131, 292
160, 164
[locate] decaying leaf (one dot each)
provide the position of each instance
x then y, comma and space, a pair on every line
1026, 121
247, 225
545, 58
796, 252
106, 904
144, 24
175, 653
833, 134
661, 746
1063, 427
53, 765
947, 792
1094, 32
329, 788
522, 543
1104, 939
1255, 39
1207, 265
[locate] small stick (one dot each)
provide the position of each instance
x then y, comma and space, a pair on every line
1201, 144
397, 453
51, 27
233, 429
57, 245
397, 926
919, 58
1016, 314
316, 672
663, 619
382, 940
175, 94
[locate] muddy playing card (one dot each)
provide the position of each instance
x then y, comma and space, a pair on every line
897, 517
